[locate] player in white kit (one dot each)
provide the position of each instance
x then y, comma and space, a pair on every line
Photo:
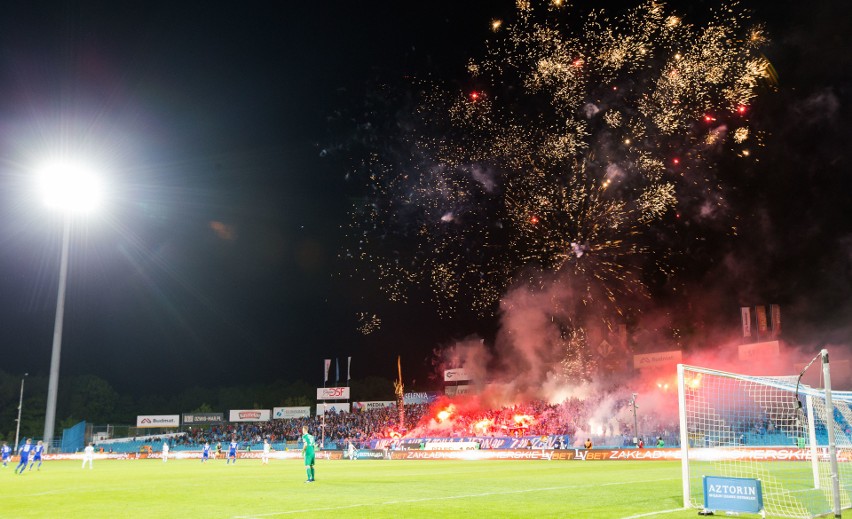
266, 449
165, 451
88, 455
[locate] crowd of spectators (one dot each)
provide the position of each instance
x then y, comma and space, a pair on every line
569, 419
358, 427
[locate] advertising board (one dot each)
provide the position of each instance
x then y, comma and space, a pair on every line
376, 404
332, 393
249, 415
286, 413
158, 420
203, 418
456, 375
657, 360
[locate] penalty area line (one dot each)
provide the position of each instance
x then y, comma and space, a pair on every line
425, 499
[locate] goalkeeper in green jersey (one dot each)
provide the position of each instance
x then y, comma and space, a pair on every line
308, 446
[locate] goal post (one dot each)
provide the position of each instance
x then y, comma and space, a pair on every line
795, 440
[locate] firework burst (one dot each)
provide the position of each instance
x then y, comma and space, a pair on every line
583, 138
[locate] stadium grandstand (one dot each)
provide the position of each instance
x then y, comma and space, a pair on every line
534, 424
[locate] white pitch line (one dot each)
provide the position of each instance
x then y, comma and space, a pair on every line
72, 490
440, 498
43, 493
651, 514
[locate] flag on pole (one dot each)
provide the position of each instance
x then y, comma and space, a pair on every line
745, 314
327, 366
336, 371
762, 324
348, 366
775, 316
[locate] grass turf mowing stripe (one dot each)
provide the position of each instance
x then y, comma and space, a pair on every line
441, 498
374, 489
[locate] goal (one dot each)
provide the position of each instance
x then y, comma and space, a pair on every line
793, 438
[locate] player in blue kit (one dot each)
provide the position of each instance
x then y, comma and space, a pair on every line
5, 453
205, 452
25, 456
39, 449
232, 451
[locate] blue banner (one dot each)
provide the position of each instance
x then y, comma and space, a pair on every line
420, 398
733, 494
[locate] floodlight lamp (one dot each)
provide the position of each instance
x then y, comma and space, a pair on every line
70, 186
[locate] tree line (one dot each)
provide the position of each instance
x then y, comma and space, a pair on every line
95, 400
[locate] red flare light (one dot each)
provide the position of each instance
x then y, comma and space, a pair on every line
675, 161
523, 420
709, 118
474, 96
482, 426
445, 414
741, 109
534, 220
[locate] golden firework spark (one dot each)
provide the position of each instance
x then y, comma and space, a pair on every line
584, 135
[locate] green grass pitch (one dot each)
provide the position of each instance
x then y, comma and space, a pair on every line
151, 489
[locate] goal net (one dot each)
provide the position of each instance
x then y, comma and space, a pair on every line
772, 429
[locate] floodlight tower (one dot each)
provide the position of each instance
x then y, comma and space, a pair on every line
73, 189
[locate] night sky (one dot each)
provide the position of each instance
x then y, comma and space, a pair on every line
221, 131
